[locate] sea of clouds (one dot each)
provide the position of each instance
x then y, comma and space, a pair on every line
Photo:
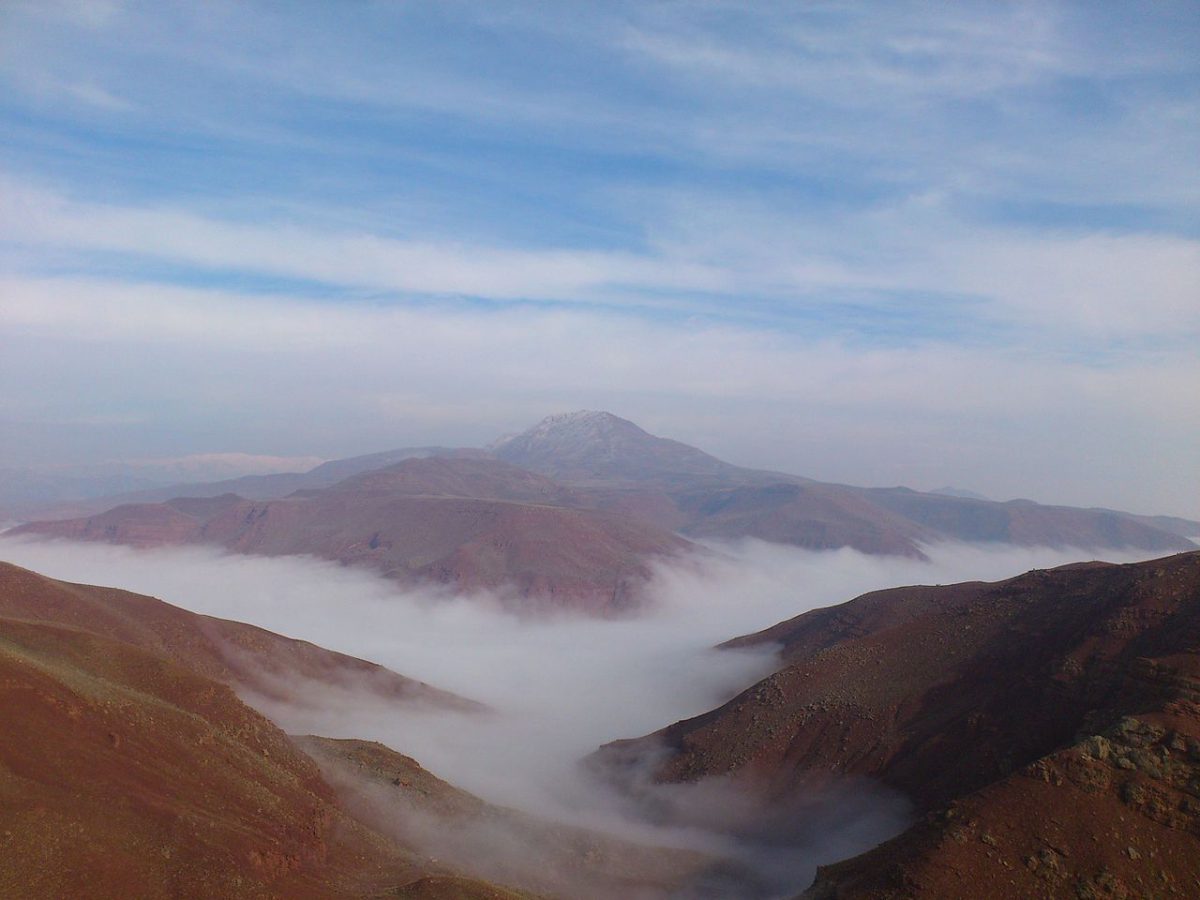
562, 686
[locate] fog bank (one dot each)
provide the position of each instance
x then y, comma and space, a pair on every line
560, 687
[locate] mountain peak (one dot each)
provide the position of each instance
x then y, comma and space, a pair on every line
584, 420
594, 447
581, 422
586, 425
580, 415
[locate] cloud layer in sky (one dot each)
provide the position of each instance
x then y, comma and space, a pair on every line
876, 243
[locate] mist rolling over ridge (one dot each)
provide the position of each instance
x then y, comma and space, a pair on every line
557, 688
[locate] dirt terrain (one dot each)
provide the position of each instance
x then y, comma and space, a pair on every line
1047, 729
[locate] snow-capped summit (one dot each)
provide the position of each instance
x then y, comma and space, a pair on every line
590, 446
579, 422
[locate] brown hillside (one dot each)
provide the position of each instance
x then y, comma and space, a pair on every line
127, 770
970, 694
243, 656
468, 524
123, 773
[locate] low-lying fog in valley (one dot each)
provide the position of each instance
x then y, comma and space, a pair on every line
558, 687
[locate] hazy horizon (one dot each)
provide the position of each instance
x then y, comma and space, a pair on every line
219, 466
867, 243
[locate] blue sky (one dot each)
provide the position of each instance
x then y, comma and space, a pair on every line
878, 243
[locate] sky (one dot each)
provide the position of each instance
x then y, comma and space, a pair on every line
874, 243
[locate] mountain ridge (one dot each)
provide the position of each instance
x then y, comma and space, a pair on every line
467, 524
579, 490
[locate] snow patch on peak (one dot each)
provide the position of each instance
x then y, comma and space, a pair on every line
580, 415
584, 421
580, 422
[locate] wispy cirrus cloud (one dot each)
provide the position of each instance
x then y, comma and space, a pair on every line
708, 256
353, 259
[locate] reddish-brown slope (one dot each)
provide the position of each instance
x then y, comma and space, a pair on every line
255, 487
243, 656
126, 773
412, 522
475, 479
123, 774
137, 525
942, 692
1114, 815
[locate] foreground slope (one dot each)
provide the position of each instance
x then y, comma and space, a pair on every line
125, 770
471, 524
122, 774
130, 767
1059, 709
1112, 815
249, 659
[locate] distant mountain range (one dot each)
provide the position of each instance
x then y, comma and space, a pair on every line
33, 490
1047, 728
572, 513
950, 491
268, 486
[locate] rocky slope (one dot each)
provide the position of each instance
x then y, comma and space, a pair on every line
1048, 723
1112, 815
